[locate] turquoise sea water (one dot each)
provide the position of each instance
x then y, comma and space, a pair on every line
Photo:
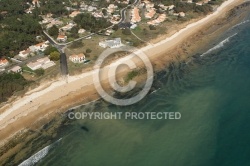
212, 93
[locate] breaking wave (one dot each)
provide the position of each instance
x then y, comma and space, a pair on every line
246, 21
221, 44
38, 156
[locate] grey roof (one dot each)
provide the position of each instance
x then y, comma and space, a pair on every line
114, 42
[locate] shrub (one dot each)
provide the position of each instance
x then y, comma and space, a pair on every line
126, 31
54, 56
151, 27
39, 72
88, 50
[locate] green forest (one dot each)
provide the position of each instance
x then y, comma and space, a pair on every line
10, 83
89, 22
18, 30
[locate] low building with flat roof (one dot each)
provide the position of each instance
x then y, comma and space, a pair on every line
116, 43
16, 69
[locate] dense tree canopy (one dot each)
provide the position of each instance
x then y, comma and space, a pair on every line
18, 30
10, 83
53, 31
49, 50
56, 7
89, 22
54, 56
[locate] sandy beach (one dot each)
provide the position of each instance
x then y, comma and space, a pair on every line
65, 93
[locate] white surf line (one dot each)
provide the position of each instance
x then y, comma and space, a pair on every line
188, 27
243, 22
220, 45
39, 155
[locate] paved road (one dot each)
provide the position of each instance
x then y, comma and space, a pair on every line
63, 58
124, 10
64, 64
61, 46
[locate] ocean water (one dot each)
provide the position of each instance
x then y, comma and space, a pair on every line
212, 92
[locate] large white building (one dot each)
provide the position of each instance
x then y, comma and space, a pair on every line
41, 63
116, 43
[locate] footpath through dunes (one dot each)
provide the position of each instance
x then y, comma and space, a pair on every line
60, 95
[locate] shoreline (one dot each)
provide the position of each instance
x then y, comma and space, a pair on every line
47, 99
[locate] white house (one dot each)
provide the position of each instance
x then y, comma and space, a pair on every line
39, 47
34, 65
3, 62
80, 31
44, 60
16, 69
78, 58
111, 8
91, 8
41, 63
24, 53
111, 43
68, 27
61, 38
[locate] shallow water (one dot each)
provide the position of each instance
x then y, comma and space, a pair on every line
213, 95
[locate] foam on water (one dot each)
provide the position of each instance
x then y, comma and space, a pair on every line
241, 23
220, 45
38, 156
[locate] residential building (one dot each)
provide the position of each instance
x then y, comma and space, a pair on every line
109, 32
54, 22
81, 31
150, 13
44, 60
77, 58
91, 8
24, 53
115, 19
41, 63
16, 69
34, 65
3, 62
36, 3
111, 8
171, 7
199, 3
39, 47
135, 15
97, 14
111, 43
67, 27
74, 13
61, 38
160, 19
182, 14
